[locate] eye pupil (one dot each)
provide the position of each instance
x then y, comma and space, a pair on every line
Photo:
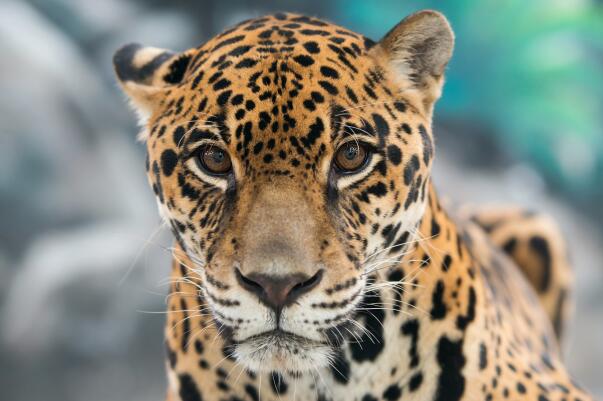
218, 156
351, 152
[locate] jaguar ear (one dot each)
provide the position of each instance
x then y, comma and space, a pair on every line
146, 73
418, 50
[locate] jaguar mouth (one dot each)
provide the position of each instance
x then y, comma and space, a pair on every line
278, 349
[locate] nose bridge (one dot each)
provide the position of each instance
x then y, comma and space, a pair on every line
279, 232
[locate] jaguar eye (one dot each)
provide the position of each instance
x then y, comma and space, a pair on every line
214, 160
351, 157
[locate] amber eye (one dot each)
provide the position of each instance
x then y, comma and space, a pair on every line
351, 157
214, 160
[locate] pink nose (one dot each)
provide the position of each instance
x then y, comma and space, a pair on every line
278, 291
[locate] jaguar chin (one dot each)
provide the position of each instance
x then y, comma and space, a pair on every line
278, 350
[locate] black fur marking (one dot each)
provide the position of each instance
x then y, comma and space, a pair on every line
394, 155
169, 159
438, 309
483, 356
411, 328
188, 388
252, 392
392, 393
177, 69
415, 381
126, 71
463, 321
451, 383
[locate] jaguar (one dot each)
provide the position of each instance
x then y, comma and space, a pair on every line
313, 259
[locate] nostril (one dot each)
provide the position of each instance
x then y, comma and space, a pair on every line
306, 285
249, 284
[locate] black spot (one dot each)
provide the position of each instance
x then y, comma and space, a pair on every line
304, 60
222, 84
198, 346
178, 135
411, 328
312, 32
351, 94
521, 389
394, 155
438, 309
237, 100
169, 159
312, 47
463, 321
188, 389
415, 381
177, 69
483, 356
258, 148
400, 106
329, 72
451, 383
392, 393
239, 51
223, 97
381, 126
328, 87
246, 63
252, 392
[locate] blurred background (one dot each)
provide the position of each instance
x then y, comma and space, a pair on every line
83, 263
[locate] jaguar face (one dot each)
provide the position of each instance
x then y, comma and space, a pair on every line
291, 159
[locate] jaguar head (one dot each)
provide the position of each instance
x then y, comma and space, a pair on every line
291, 158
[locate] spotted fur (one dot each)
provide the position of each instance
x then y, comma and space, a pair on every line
407, 303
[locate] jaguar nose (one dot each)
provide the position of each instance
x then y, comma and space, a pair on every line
278, 291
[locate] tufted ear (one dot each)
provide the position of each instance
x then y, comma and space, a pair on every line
146, 73
418, 49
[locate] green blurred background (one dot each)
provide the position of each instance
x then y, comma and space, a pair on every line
82, 253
